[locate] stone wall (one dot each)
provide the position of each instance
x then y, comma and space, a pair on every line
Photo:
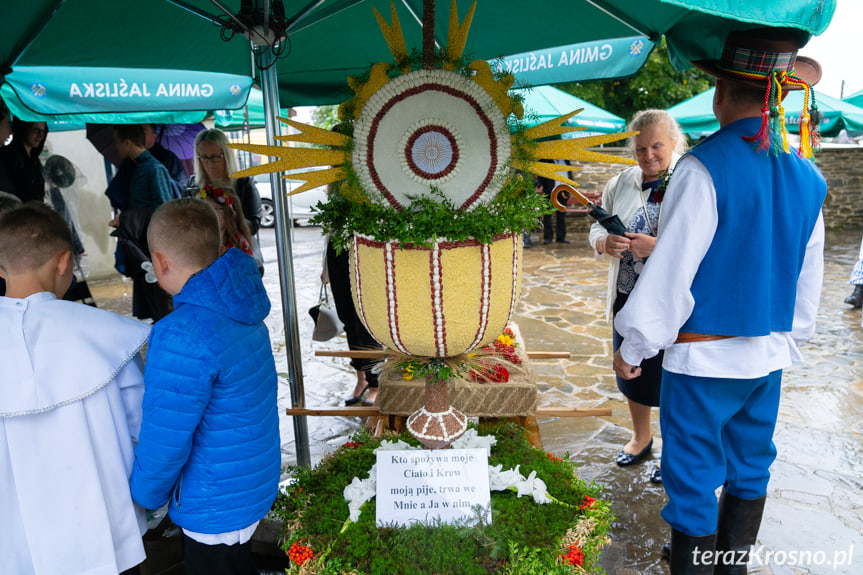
842, 168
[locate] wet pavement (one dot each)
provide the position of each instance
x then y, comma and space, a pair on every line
814, 514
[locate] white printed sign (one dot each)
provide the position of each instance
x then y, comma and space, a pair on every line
430, 485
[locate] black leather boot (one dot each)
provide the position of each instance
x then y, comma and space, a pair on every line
739, 520
856, 297
688, 554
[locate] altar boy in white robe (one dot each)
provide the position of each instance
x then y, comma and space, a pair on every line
71, 385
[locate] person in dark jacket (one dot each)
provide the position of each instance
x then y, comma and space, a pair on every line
20, 168
149, 187
209, 441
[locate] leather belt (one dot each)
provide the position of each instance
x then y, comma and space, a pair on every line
687, 337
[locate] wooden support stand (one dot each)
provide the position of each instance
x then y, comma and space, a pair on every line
377, 421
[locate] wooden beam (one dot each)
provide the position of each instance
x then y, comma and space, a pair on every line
372, 410
382, 353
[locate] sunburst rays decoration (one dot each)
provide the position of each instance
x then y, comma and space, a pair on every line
467, 115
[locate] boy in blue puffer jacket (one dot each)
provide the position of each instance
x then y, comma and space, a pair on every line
209, 441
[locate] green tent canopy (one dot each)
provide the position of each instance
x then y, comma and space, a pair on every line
855, 99
696, 118
544, 103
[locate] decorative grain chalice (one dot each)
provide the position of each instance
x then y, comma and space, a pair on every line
430, 196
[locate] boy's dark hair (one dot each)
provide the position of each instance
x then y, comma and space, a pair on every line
8, 202
30, 236
187, 230
133, 132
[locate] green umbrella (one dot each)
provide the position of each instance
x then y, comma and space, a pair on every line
544, 103
696, 118
328, 40
855, 99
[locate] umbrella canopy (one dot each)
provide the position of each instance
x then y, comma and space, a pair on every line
545, 102
120, 95
855, 99
602, 60
696, 118
333, 39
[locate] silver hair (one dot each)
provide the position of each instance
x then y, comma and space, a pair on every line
646, 118
219, 138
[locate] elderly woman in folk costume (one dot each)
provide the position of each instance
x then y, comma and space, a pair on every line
635, 195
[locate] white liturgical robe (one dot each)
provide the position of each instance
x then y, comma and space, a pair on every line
71, 385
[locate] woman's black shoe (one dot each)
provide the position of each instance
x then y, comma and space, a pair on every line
856, 297
625, 459
656, 475
355, 399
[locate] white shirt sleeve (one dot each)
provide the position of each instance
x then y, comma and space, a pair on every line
809, 285
661, 301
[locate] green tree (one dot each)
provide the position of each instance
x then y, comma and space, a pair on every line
656, 85
325, 117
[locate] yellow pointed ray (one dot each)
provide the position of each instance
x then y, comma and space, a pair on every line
553, 127
457, 36
364, 90
292, 158
395, 39
546, 170
313, 135
317, 178
497, 89
574, 149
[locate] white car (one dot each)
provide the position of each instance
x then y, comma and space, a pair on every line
300, 205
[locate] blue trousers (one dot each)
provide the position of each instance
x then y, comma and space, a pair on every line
715, 432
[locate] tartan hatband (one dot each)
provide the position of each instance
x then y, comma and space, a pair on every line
752, 61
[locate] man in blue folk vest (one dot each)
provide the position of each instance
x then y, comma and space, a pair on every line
729, 292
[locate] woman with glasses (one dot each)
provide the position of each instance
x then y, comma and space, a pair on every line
214, 164
20, 168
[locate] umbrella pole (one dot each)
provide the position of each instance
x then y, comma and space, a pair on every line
270, 89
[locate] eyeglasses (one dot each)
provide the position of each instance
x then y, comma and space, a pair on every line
211, 158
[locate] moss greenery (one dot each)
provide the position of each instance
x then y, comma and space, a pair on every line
522, 538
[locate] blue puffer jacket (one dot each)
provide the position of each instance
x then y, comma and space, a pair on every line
209, 440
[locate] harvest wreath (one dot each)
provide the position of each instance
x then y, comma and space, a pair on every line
328, 516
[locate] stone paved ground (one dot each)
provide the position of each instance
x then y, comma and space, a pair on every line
815, 503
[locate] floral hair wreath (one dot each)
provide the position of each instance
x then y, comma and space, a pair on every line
218, 194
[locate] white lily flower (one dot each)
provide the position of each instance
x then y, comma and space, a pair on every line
471, 439
398, 445
534, 487
358, 492
500, 480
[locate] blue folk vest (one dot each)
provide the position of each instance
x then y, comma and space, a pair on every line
768, 206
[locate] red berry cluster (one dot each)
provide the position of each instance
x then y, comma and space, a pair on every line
507, 352
496, 373
587, 503
553, 458
353, 444
300, 553
574, 555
